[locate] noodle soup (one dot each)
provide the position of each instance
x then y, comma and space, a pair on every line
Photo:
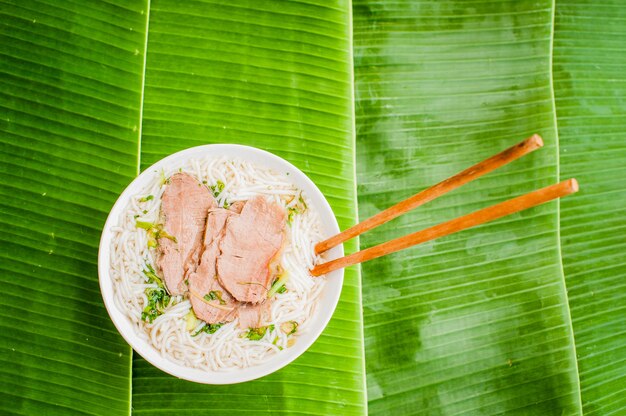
167, 322
120, 292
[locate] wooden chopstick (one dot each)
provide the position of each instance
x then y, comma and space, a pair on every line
512, 153
482, 216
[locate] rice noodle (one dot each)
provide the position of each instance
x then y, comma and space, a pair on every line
228, 348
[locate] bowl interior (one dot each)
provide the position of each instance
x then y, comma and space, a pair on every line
324, 309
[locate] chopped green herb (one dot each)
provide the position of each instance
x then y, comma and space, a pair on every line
158, 298
145, 225
278, 286
146, 198
217, 188
302, 203
298, 208
164, 180
191, 320
255, 334
291, 212
275, 341
215, 295
209, 329
226, 205
289, 327
152, 276
155, 231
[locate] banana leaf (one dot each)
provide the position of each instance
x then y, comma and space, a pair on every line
276, 76
78, 95
478, 322
69, 111
590, 91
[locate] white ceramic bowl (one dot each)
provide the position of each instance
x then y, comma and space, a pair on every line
324, 310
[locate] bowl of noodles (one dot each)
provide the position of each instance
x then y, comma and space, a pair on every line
209, 337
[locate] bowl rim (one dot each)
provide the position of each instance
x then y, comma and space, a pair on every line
324, 310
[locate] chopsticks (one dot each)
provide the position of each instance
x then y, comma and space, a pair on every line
482, 216
476, 218
494, 162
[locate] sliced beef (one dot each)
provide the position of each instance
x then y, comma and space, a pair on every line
237, 206
184, 208
204, 281
251, 240
251, 314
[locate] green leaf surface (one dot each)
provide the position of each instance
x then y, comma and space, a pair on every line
478, 322
277, 76
69, 116
590, 91
475, 323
